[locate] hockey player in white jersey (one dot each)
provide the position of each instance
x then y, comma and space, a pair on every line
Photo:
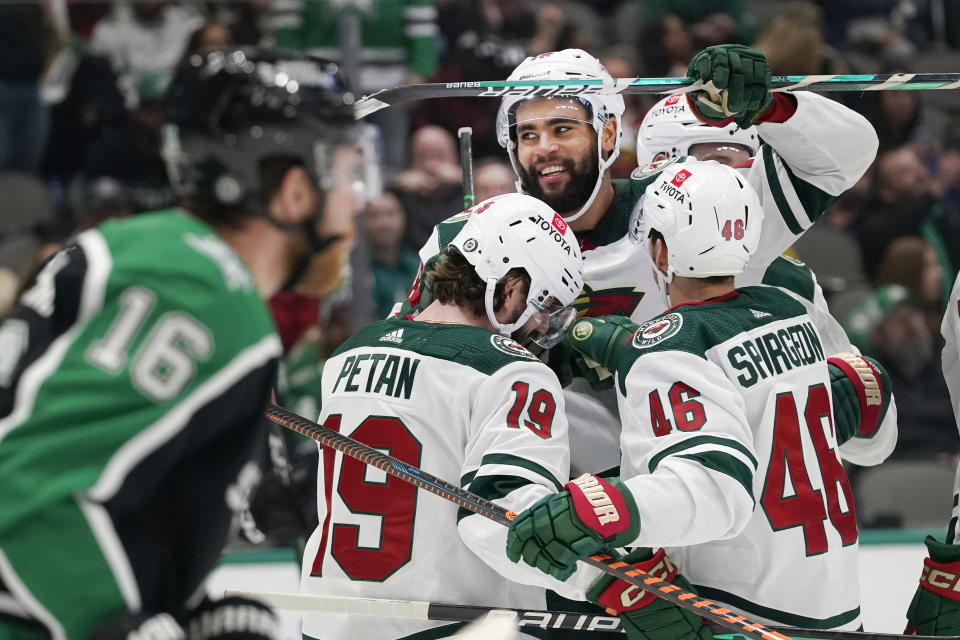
935, 608
451, 392
730, 433
561, 147
670, 129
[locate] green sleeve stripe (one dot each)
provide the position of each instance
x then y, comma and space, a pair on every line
728, 465
467, 478
697, 441
523, 463
815, 201
494, 488
779, 198
792, 277
782, 617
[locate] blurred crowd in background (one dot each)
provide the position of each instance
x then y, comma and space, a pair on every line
82, 82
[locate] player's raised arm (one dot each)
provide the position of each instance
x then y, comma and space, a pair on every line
815, 148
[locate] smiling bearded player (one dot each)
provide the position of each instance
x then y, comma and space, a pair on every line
562, 148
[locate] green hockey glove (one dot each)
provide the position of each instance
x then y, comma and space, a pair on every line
736, 84
861, 390
596, 344
935, 608
644, 616
590, 515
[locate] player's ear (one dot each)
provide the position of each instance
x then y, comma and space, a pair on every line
608, 136
295, 199
658, 250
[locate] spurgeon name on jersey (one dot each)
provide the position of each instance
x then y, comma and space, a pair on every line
774, 352
465, 405
729, 448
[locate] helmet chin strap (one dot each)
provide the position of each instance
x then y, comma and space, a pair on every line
503, 329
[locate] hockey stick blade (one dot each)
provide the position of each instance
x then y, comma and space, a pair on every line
572, 88
536, 619
468, 500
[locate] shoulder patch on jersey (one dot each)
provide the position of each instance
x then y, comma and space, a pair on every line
581, 331
510, 347
642, 173
655, 331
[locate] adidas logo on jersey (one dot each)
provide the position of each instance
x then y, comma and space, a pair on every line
759, 314
395, 336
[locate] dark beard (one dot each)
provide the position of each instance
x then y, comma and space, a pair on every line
582, 180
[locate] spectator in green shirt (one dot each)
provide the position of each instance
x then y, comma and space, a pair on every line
399, 47
392, 264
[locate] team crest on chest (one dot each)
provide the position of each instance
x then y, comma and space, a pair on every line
510, 347
614, 301
657, 330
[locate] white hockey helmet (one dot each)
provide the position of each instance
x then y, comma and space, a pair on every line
671, 128
568, 64
516, 230
709, 216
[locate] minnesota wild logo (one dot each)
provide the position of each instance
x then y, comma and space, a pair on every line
641, 173
657, 330
615, 301
510, 347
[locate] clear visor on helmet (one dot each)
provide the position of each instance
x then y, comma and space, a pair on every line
349, 162
548, 325
727, 153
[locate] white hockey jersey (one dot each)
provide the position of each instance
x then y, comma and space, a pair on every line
950, 360
796, 279
462, 404
803, 165
730, 451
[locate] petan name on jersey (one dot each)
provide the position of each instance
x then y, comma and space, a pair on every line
387, 374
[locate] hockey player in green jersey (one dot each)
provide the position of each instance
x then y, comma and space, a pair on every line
561, 148
732, 415
135, 369
935, 608
455, 392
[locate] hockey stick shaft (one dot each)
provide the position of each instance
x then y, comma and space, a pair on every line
565, 620
572, 88
468, 500
466, 164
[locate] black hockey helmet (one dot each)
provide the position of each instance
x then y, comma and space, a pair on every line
229, 109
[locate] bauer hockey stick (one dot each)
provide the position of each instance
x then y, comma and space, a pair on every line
535, 619
471, 501
466, 165
572, 88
